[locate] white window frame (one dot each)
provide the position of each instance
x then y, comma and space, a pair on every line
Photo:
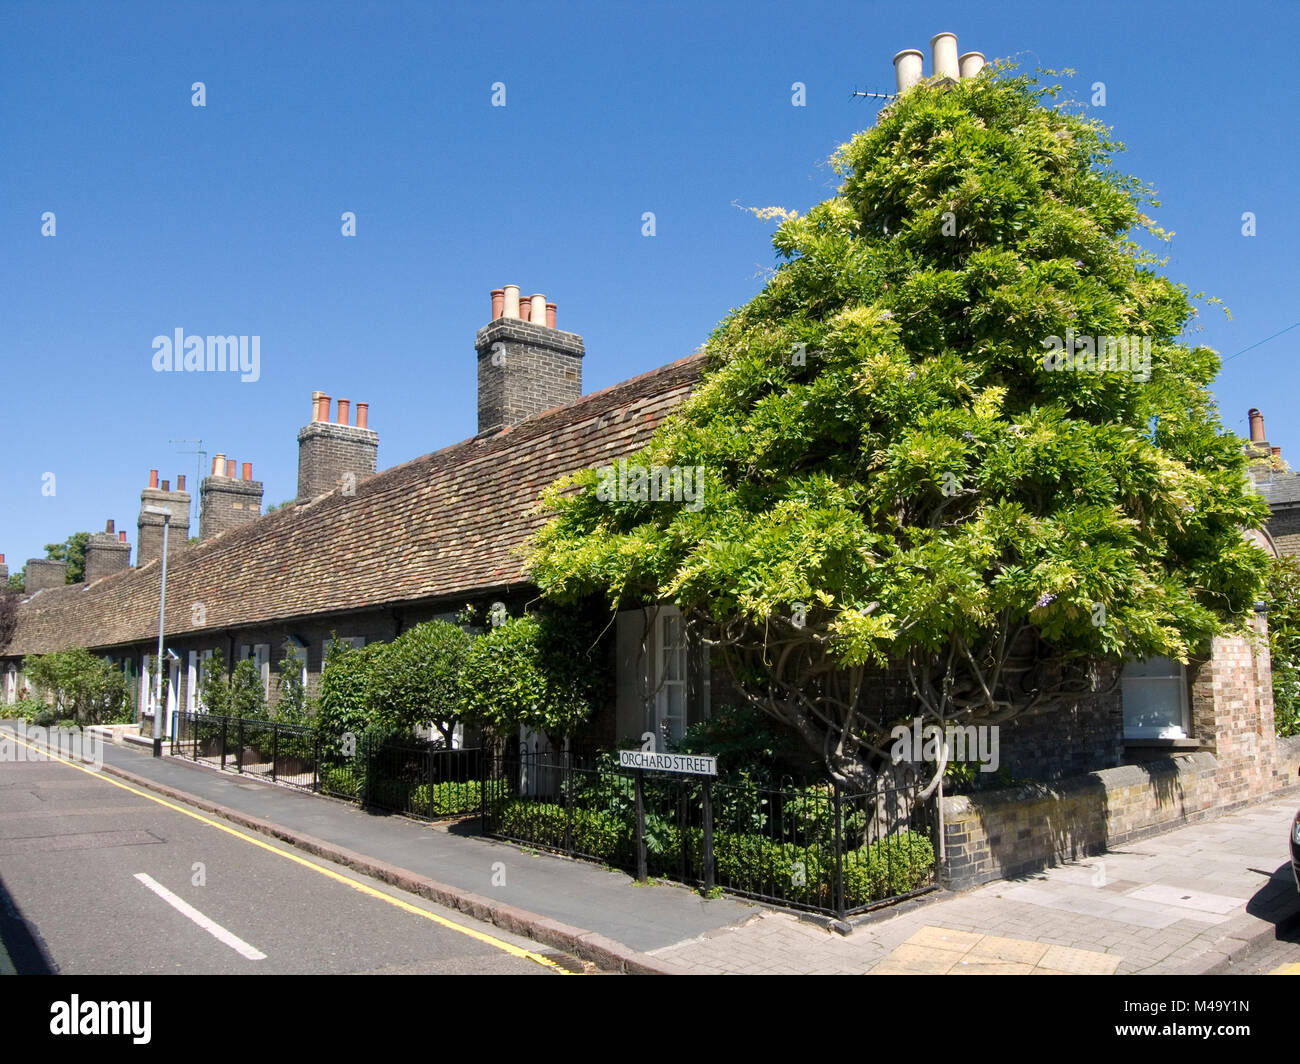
670, 728
1174, 683
261, 654
11, 684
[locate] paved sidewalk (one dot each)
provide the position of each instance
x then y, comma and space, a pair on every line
1185, 901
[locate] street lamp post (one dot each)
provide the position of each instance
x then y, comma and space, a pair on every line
166, 515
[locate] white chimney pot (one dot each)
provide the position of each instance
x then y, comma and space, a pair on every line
907, 68
511, 308
943, 47
971, 64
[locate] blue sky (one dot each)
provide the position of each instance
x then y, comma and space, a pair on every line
226, 218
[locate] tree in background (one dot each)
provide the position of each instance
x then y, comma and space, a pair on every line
899, 467
73, 551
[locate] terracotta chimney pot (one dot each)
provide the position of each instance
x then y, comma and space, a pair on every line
363, 414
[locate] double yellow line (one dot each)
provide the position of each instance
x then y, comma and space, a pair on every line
329, 873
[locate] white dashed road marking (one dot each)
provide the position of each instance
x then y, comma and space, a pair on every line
210, 926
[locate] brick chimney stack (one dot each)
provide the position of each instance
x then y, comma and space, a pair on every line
227, 501
149, 528
4, 572
525, 364
334, 455
43, 573
107, 553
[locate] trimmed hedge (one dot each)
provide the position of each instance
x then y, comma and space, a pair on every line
751, 864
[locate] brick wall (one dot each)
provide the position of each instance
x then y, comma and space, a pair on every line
327, 452
533, 369
226, 503
1006, 833
1079, 736
149, 529
106, 555
43, 573
1232, 713
1003, 834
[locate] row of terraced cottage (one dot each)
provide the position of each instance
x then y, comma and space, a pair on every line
362, 555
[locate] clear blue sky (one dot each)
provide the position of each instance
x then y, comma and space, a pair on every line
225, 219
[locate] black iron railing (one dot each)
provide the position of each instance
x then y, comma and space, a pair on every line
816, 848
282, 753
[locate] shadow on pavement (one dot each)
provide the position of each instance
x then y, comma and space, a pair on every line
21, 942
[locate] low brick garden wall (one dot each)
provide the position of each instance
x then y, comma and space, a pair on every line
1003, 834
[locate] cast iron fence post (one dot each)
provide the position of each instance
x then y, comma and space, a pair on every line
682, 825
275, 749
225, 724
239, 752
431, 755
315, 761
642, 868
838, 900
566, 781
708, 833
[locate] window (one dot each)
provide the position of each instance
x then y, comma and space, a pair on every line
1155, 700
198, 669
261, 654
11, 684
670, 674
354, 641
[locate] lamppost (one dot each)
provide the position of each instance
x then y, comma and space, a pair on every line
166, 515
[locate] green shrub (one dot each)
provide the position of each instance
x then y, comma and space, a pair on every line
536, 670
887, 867
449, 799
340, 780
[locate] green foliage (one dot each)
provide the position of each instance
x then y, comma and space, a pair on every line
17, 581
291, 700
743, 740
214, 688
80, 685
449, 798
1283, 598
890, 866
8, 615
247, 695
344, 697
417, 677
893, 474
73, 551
340, 780
537, 671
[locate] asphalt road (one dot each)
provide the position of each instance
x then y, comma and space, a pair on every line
99, 878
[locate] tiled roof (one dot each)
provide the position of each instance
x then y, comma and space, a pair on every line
1280, 489
442, 525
